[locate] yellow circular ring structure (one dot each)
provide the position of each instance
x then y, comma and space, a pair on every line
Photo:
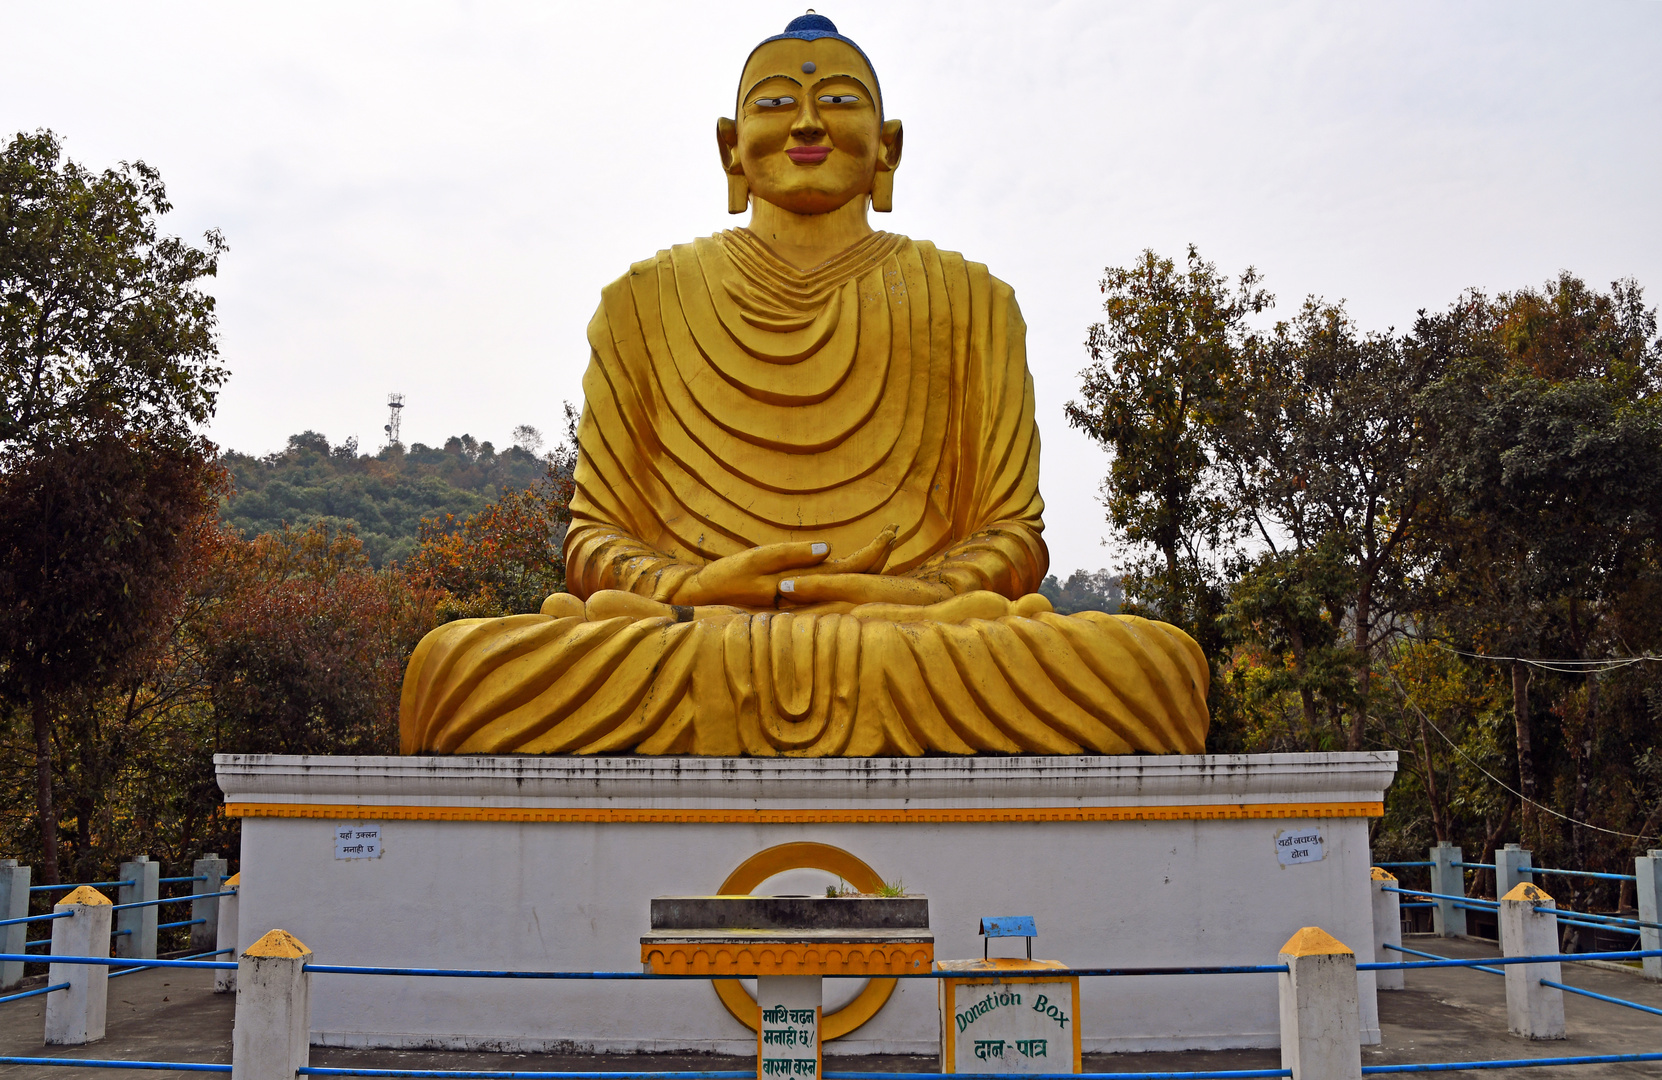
803, 855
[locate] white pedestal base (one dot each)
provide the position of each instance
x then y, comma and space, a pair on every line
561, 879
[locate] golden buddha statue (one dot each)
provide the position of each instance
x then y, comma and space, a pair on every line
807, 513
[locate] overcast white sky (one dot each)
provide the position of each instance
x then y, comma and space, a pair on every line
427, 198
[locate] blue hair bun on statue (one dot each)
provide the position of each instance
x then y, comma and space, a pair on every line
811, 26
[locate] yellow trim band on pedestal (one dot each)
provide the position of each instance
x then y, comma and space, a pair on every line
788, 958
623, 815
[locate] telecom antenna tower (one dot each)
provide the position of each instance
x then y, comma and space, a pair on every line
395, 406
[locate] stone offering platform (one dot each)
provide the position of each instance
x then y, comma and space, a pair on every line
549, 863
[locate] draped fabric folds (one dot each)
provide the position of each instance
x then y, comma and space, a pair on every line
732, 401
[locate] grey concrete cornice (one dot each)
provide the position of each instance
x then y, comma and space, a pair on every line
690, 782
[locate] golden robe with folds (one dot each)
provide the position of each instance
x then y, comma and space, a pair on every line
731, 401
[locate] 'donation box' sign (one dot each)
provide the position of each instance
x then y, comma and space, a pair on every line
787, 1040
1011, 1027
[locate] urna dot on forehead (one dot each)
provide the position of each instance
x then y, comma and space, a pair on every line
813, 27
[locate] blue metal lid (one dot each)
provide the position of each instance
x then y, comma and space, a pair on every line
1009, 926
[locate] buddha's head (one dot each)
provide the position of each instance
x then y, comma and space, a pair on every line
809, 135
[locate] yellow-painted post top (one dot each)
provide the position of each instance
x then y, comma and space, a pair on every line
1381, 874
1527, 891
234, 880
85, 896
1314, 941
278, 943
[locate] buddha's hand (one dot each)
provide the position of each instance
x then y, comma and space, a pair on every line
862, 589
752, 578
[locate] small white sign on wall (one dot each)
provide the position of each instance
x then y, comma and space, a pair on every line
1294, 847
358, 841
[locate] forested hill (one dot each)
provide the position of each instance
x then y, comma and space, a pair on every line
382, 497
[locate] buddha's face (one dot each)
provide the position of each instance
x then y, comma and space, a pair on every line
809, 136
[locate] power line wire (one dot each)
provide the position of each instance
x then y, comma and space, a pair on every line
1520, 795
1563, 667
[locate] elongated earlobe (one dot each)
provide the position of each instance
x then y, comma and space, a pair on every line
882, 184
882, 192
738, 188
738, 194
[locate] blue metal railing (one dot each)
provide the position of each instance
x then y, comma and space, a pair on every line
154, 963
70, 886
38, 918
1492, 905
1602, 997
1436, 961
185, 899
1613, 920
1513, 1063
471, 973
187, 922
106, 1063
124, 961
1576, 873
35, 992
745, 1074
1443, 961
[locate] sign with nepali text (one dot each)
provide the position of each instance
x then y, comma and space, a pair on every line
787, 1039
358, 841
1294, 847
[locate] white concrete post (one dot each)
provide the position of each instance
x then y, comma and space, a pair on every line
1511, 870
271, 1036
1648, 869
14, 904
1321, 1037
1532, 1010
226, 981
205, 935
140, 880
788, 1036
1450, 880
76, 1015
1387, 928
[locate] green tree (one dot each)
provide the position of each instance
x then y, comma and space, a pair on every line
107, 350
1161, 364
382, 498
1547, 442
100, 314
1323, 447
1085, 590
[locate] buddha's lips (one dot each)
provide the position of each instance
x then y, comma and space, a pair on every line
808, 155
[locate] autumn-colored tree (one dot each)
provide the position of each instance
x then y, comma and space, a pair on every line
303, 645
507, 558
93, 539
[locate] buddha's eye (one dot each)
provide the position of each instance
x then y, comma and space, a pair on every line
839, 99
773, 102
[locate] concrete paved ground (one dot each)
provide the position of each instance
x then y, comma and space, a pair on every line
1444, 1015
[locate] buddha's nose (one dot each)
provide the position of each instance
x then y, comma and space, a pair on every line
808, 127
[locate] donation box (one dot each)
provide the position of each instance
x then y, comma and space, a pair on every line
1008, 1016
